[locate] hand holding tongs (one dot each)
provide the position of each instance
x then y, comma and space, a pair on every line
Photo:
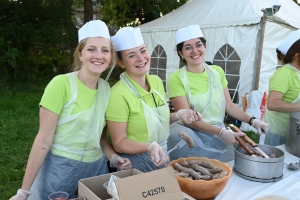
256, 152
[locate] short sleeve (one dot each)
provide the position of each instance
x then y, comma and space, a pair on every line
117, 109
276, 83
56, 94
175, 86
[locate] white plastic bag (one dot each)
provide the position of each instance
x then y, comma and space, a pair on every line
111, 187
255, 105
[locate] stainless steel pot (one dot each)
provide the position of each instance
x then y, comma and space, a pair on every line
259, 169
292, 144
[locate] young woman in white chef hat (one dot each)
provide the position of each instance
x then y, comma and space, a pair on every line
284, 90
138, 116
70, 145
204, 88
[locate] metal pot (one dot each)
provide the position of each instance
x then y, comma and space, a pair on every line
292, 144
259, 169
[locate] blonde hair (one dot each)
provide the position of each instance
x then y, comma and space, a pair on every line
77, 64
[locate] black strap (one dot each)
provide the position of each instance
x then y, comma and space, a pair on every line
250, 123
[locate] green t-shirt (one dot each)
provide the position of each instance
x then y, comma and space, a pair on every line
124, 106
286, 81
57, 94
198, 82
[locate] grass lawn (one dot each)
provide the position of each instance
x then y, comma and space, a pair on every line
19, 123
19, 112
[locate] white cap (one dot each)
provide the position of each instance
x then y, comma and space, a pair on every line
127, 38
95, 28
289, 41
188, 33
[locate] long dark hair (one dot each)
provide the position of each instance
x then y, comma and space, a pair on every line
295, 48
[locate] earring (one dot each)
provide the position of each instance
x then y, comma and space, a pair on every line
182, 58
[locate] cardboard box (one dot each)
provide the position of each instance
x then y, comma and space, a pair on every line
134, 185
92, 188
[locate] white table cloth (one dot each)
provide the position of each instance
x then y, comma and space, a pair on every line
239, 188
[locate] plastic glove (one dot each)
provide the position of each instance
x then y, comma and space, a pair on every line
188, 116
119, 162
21, 195
260, 125
157, 154
18, 197
228, 136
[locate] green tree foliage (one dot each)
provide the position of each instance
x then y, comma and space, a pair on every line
136, 12
37, 37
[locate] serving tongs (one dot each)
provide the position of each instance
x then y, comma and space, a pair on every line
255, 151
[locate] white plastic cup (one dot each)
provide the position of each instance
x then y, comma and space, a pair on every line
58, 196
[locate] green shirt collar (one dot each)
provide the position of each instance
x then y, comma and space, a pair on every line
140, 90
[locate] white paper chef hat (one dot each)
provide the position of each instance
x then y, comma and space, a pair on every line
127, 38
95, 28
289, 41
188, 33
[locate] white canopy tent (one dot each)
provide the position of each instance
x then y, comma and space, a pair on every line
239, 38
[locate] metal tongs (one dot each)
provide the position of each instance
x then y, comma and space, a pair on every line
255, 151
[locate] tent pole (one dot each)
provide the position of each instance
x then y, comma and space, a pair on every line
260, 49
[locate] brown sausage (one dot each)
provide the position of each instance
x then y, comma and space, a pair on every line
202, 163
222, 174
183, 174
205, 177
184, 163
177, 167
187, 138
190, 171
200, 169
215, 170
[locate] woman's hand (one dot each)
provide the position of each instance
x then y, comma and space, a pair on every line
228, 136
120, 162
157, 154
21, 195
260, 125
188, 116
17, 197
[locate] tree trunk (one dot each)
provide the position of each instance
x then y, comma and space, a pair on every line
88, 10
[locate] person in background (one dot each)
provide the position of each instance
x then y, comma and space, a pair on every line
204, 88
284, 91
70, 145
138, 115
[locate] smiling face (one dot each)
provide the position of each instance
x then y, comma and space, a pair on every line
96, 55
193, 51
136, 61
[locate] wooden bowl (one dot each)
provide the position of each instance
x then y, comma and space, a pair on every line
203, 189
